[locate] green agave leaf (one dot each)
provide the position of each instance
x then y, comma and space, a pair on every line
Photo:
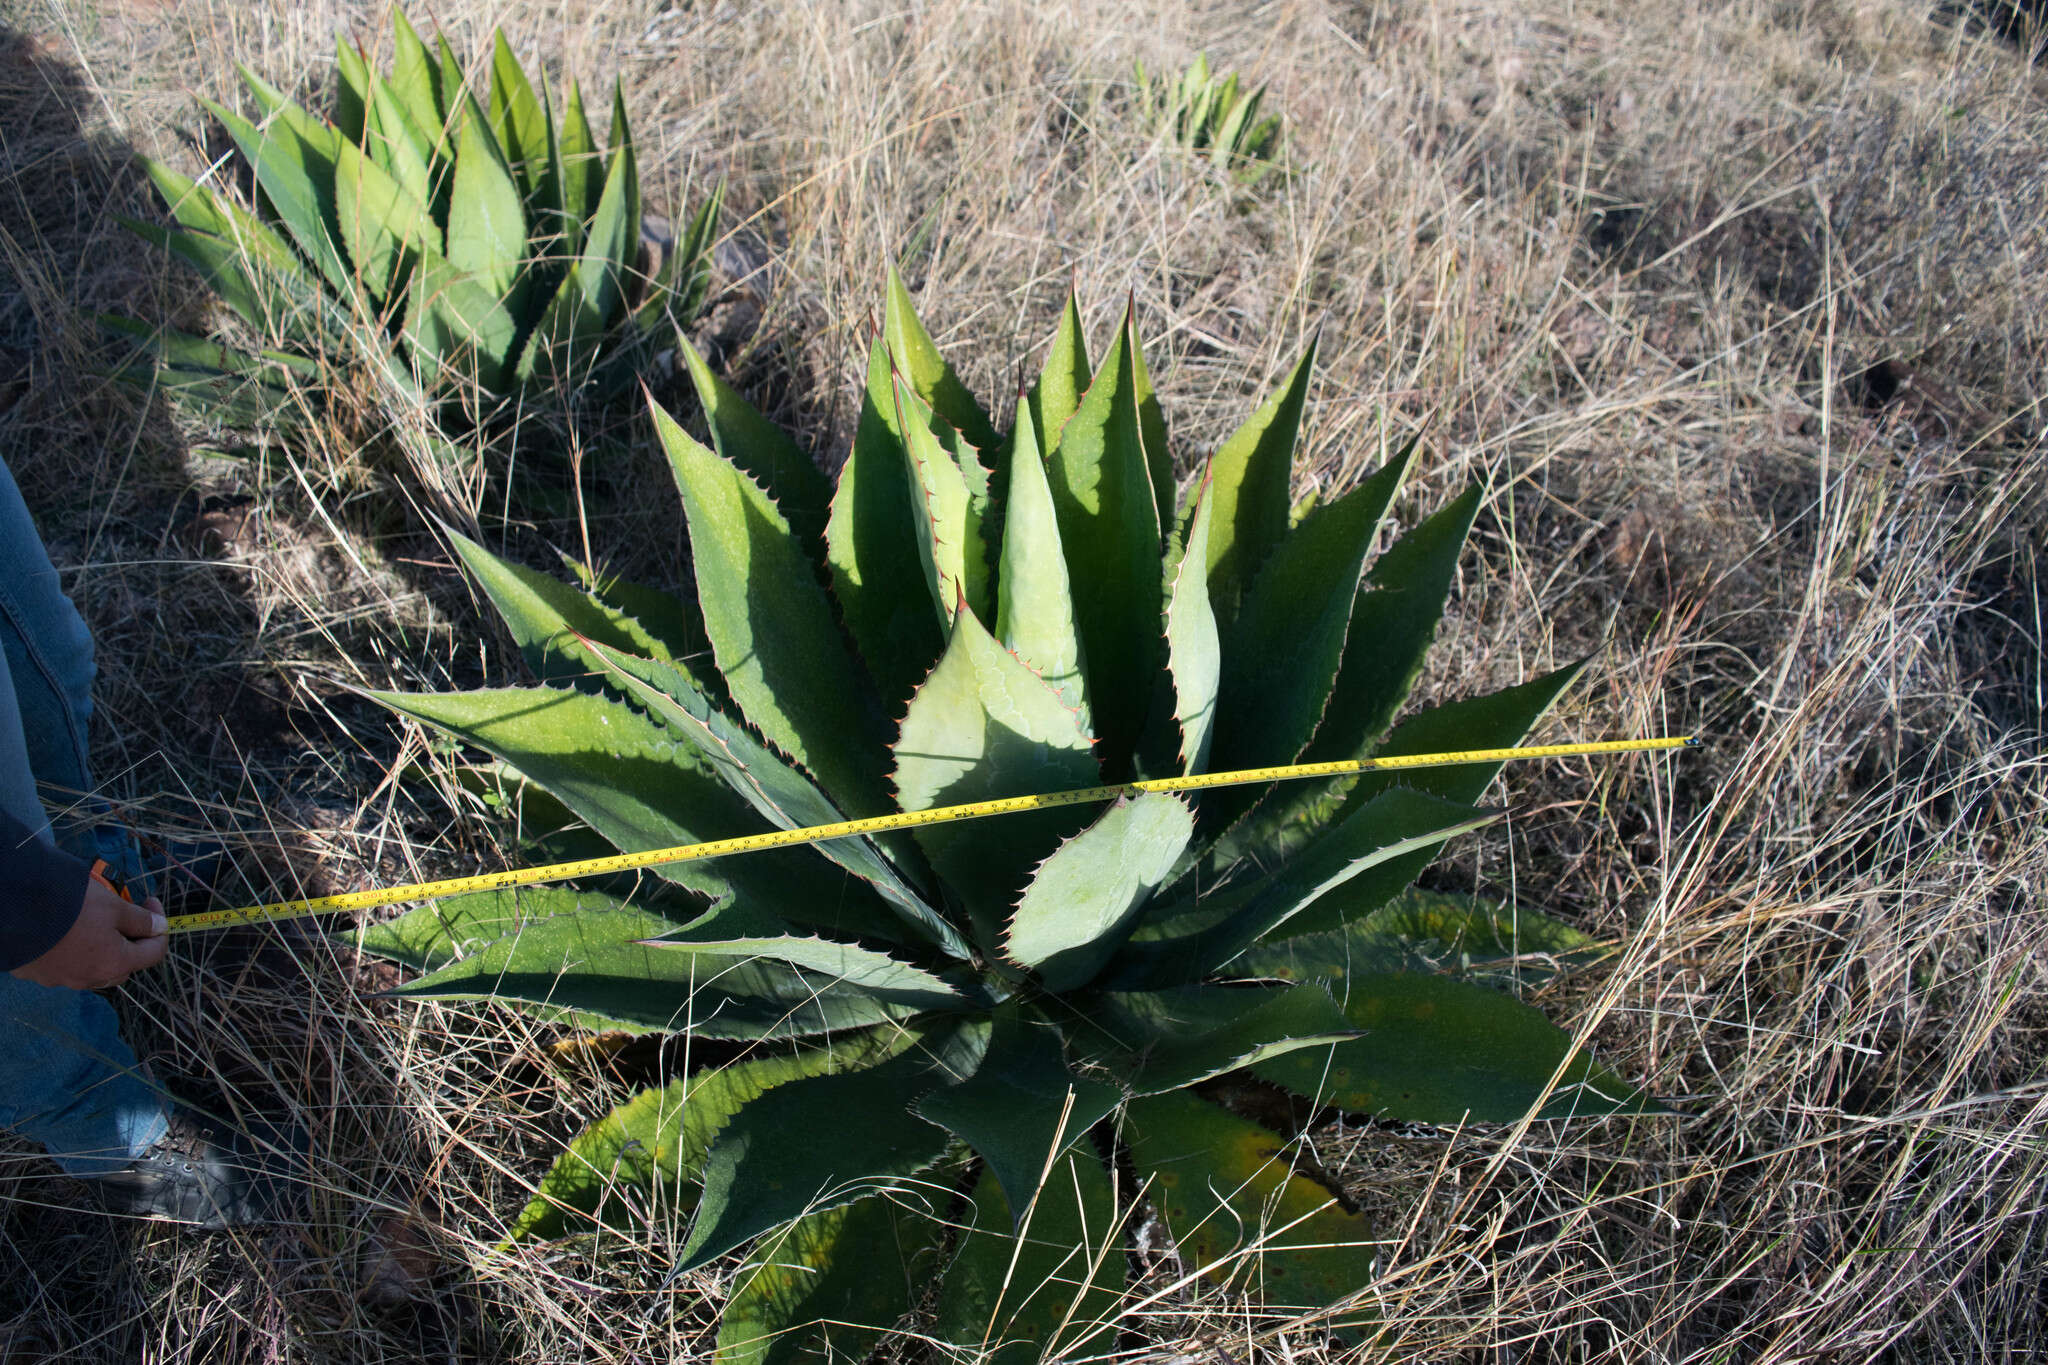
846, 965
756, 446
1436, 1050
450, 88
871, 549
771, 628
1158, 1041
1044, 1291
457, 328
277, 285
1023, 1106
1063, 379
612, 239
1426, 931
598, 969
1393, 625
1034, 601
1103, 494
910, 346
1151, 426
1280, 655
784, 796
209, 379
1082, 900
518, 123
1194, 654
985, 726
692, 259
829, 1284
767, 1166
1240, 1215
674, 625
949, 535
654, 1144
1496, 721
1188, 940
1252, 474
641, 788
486, 223
398, 144
351, 91
415, 75
552, 623
439, 932
577, 170
380, 223
297, 176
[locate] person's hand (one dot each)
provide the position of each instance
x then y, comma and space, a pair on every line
111, 941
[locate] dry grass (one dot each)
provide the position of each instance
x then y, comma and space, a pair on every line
1736, 308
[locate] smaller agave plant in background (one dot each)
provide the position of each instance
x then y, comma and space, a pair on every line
978, 1052
458, 248
1208, 115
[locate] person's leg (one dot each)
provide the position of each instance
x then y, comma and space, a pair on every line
67, 1079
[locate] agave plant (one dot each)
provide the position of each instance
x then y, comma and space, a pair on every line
1207, 114
971, 1050
447, 242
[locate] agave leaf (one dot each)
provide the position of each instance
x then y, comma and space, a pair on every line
398, 144
910, 346
985, 726
1063, 379
1426, 931
415, 75
785, 797
1034, 601
486, 225
1252, 474
517, 120
692, 259
1280, 655
767, 1166
597, 969
756, 446
275, 287
674, 626
846, 965
552, 623
457, 327
1495, 721
949, 538
380, 223
1194, 653
1023, 1106
439, 932
1437, 1050
1170, 1040
1151, 426
450, 88
871, 548
577, 170
1083, 899
771, 628
1188, 939
210, 379
298, 178
829, 1284
654, 1144
641, 788
613, 238
1109, 528
1393, 625
1048, 1290
1238, 1213
351, 91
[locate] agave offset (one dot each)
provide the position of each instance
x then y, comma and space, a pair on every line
459, 245
963, 1043
1209, 115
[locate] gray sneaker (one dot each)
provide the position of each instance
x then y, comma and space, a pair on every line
202, 1173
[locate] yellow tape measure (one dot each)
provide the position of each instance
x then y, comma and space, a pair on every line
845, 829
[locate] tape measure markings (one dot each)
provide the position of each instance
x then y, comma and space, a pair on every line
844, 829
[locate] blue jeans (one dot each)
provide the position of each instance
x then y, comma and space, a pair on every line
67, 1079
